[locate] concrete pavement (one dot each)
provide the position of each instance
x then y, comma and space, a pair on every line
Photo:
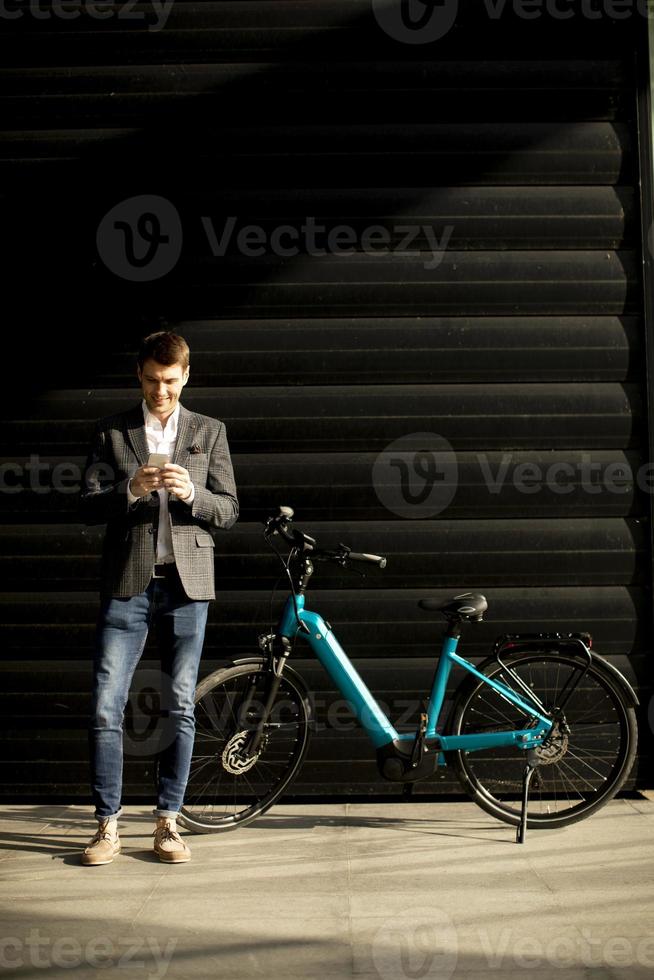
392, 891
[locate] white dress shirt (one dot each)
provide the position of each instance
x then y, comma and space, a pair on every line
162, 440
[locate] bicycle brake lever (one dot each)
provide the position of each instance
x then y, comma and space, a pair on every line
346, 548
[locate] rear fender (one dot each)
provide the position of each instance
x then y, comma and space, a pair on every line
510, 645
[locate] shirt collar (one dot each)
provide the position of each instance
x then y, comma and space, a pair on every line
152, 420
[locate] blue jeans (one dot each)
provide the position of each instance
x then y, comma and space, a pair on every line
121, 632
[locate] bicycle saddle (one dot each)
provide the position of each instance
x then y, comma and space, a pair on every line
470, 606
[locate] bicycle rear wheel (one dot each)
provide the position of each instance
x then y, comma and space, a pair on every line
579, 770
223, 791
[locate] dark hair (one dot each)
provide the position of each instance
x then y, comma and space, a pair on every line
165, 347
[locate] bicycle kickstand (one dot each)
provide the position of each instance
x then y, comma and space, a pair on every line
529, 770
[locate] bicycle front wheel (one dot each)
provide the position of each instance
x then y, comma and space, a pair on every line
225, 791
582, 764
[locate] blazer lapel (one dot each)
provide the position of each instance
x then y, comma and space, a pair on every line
136, 433
185, 430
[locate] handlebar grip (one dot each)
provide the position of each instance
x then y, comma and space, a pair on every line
373, 559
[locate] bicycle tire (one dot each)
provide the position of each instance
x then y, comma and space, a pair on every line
579, 772
218, 798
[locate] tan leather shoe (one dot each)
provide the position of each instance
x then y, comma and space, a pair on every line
104, 845
168, 844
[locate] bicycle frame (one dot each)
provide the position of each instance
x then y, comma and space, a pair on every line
372, 719
537, 731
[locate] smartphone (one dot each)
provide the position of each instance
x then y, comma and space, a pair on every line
158, 459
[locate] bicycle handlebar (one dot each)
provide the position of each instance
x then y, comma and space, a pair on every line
297, 538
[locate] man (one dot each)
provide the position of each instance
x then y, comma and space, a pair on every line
157, 566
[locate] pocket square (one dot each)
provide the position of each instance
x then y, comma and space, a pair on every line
195, 449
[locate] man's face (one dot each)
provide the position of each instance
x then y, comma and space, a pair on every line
161, 386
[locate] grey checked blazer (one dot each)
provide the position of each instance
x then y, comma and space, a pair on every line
119, 448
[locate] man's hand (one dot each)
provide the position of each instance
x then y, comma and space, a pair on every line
176, 480
145, 480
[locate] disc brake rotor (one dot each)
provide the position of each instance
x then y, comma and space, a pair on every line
232, 762
553, 748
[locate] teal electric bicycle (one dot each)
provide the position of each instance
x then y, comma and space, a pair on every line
541, 734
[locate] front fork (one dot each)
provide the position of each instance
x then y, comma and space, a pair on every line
276, 651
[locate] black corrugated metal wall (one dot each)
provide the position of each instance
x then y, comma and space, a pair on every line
513, 144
